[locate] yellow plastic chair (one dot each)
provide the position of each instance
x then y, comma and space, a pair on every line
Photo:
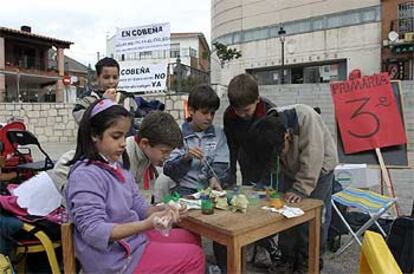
41, 244
376, 256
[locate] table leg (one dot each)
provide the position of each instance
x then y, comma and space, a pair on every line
314, 241
234, 260
244, 259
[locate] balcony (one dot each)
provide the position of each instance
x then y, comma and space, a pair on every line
403, 26
31, 65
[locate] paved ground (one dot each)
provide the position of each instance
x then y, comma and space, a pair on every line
348, 262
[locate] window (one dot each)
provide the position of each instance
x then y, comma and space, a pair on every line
297, 75
236, 37
311, 75
193, 53
256, 34
175, 50
406, 10
318, 24
340, 20
226, 39
299, 27
406, 17
337, 20
145, 55
369, 16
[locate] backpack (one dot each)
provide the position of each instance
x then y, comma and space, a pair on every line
400, 240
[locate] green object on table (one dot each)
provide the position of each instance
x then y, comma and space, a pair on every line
207, 205
274, 195
171, 197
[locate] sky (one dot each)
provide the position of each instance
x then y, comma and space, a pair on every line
88, 22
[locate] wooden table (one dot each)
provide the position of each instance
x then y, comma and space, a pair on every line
237, 230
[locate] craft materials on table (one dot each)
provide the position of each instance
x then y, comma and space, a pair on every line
288, 212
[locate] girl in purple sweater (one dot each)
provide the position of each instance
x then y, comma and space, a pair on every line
114, 225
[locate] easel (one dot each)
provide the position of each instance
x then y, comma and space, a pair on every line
387, 179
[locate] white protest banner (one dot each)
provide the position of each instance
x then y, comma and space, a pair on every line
136, 76
143, 38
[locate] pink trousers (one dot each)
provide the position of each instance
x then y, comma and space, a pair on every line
180, 252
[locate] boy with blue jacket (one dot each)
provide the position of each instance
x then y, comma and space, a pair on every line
203, 160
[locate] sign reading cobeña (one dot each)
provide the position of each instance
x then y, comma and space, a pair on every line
138, 77
143, 38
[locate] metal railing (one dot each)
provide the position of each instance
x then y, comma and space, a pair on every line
31, 63
402, 26
183, 78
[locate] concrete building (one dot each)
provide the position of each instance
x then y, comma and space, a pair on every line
325, 39
398, 38
26, 69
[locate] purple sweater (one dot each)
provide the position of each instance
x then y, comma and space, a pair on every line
97, 199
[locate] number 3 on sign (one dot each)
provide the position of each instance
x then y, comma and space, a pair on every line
361, 113
367, 113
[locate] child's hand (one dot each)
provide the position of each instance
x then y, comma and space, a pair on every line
159, 219
194, 152
215, 184
179, 208
110, 93
292, 197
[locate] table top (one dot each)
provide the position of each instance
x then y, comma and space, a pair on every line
229, 223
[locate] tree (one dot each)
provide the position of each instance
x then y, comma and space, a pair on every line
225, 54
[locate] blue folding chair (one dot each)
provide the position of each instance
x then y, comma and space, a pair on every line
371, 203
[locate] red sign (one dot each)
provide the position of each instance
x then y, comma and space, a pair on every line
367, 113
66, 80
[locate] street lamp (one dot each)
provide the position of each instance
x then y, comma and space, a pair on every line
282, 36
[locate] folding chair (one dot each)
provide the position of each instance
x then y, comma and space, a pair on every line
376, 256
24, 138
373, 204
42, 243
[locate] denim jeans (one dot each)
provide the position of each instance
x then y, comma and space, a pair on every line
294, 242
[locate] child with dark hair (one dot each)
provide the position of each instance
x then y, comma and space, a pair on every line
107, 70
297, 138
113, 223
158, 135
246, 106
203, 161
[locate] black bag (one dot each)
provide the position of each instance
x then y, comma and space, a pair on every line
400, 240
336, 227
357, 219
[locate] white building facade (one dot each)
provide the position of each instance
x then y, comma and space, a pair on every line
325, 39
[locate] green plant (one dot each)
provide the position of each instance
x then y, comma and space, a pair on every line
225, 53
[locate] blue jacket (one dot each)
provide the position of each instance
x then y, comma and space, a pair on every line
195, 174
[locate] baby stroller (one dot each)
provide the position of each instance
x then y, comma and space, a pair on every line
16, 155
29, 235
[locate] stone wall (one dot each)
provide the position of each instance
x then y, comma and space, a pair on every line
174, 104
53, 122
50, 122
